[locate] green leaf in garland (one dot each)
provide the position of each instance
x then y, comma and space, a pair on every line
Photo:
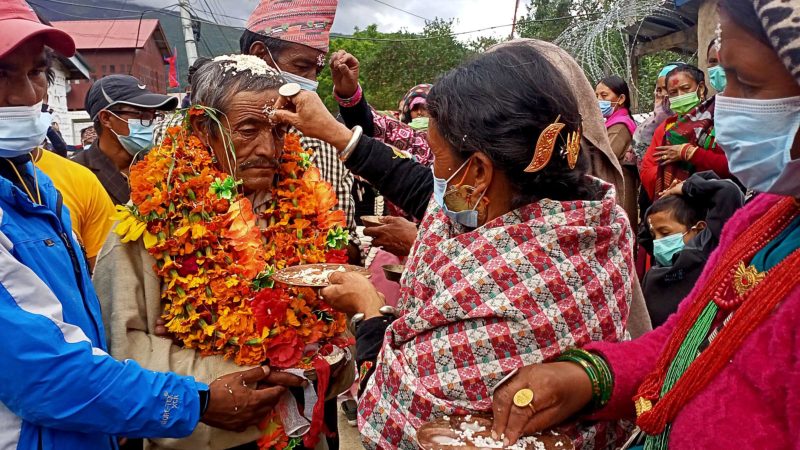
225, 188
338, 238
264, 279
305, 161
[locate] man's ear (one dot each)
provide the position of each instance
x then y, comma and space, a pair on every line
199, 125
106, 120
259, 49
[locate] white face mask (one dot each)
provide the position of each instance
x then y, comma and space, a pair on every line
305, 83
22, 129
757, 138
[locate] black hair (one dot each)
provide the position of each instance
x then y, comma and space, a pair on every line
619, 87
198, 63
744, 14
499, 104
84, 130
697, 75
49, 72
275, 46
710, 44
680, 208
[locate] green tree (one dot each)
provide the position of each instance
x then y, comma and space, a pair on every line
392, 63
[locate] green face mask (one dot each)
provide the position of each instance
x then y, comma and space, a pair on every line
682, 104
420, 123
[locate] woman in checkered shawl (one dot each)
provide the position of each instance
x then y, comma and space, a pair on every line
510, 267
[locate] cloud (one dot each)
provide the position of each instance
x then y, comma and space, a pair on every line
469, 14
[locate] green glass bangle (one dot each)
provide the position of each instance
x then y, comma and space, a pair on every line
598, 371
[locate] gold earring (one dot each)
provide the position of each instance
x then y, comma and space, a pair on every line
544, 146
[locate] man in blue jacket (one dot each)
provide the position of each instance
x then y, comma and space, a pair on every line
59, 389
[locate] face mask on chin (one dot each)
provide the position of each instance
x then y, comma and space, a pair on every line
22, 129
757, 137
460, 213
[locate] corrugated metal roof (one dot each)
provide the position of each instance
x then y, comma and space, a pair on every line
108, 34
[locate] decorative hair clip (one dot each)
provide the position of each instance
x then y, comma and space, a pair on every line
718, 40
321, 60
573, 148
545, 145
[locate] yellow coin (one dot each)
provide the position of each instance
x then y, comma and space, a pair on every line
523, 397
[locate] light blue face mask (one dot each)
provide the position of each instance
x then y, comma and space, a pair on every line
717, 78
305, 83
606, 107
420, 123
22, 129
667, 247
757, 138
139, 138
468, 218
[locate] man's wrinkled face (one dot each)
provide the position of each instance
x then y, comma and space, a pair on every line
23, 75
258, 145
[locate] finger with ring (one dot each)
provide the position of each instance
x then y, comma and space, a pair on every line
289, 90
523, 398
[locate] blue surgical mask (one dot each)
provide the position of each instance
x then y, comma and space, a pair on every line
665, 248
717, 78
305, 83
22, 129
468, 218
757, 138
606, 107
139, 138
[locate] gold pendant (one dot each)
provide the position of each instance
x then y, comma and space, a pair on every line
746, 278
642, 406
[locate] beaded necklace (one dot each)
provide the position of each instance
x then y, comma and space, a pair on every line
680, 374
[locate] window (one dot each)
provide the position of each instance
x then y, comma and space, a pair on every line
104, 69
112, 68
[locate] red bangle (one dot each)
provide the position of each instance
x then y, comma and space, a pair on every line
349, 102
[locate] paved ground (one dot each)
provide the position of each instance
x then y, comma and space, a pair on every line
348, 436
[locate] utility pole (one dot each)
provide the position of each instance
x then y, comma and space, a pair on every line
514, 22
188, 34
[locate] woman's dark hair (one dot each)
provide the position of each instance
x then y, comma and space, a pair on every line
619, 87
498, 104
744, 14
680, 208
710, 44
697, 75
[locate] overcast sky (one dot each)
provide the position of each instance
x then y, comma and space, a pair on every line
470, 14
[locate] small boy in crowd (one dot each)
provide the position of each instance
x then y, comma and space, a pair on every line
682, 229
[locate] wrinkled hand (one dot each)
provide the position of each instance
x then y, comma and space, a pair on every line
306, 112
243, 399
560, 390
396, 235
676, 188
352, 293
668, 154
345, 72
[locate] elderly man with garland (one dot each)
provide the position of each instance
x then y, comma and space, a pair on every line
185, 280
60, 388
294, 37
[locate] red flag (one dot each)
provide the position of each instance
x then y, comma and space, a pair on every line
173, 69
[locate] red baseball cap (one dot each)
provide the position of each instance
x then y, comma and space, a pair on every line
18, 23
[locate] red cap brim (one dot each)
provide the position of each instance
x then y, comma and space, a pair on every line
17, 31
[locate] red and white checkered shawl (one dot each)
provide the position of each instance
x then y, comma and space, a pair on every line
477, 304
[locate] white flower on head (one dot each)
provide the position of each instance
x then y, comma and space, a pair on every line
240, 63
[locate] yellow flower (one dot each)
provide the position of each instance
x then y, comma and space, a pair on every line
150, 240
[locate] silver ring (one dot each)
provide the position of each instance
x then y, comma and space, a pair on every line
289, 90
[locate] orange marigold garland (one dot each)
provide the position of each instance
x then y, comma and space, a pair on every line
215, 263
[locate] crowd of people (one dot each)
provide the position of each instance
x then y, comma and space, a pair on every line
564, 266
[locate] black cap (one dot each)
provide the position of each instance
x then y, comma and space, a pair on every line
125, 90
